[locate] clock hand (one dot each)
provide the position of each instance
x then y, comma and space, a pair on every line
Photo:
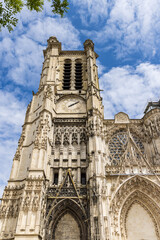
73, 104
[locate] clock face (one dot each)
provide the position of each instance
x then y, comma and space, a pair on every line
71, 105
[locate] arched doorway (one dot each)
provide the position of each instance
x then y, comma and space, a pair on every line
136, 193
67, 228
66, 220
139, 223
139, 218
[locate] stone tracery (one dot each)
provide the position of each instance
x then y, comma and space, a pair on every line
118, 145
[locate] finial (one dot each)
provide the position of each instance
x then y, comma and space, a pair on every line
88, 44
52, 40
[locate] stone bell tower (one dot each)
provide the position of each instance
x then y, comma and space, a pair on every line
76, 175
47, 196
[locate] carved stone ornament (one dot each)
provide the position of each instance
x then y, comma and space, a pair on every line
69, 135
48, 93
35, 201
41, 87
95, 127
88, 44
26, 202
42, 132
121, 118
93, 91
10, 208
151, 127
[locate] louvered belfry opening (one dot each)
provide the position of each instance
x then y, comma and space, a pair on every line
67, 75
78, 75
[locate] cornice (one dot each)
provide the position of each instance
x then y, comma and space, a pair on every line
69, 120
74, 52
131, 121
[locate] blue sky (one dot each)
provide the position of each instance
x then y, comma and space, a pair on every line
126, 34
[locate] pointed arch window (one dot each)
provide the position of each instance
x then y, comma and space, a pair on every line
118, 146
78, 74
67, 75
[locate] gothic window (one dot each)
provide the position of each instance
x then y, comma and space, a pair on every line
78, 75
57, 136
66, 138
55, 181
82, 136
74, 138
67, 75
118, 145
83, 178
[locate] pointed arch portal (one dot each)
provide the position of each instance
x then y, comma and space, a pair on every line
66, 221
139, 223
136, 212
67, 228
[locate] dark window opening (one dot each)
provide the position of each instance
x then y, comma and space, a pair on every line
55, 179
65, 160
78, 76
67, 76
56, 160
74, 160
83, 160
83, 178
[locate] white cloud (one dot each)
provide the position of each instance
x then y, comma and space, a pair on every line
12, 115
11, 110
128, 89
91, 10
130, 25
21, 52
136, 25
59, 27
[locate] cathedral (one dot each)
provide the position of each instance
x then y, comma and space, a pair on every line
76, 175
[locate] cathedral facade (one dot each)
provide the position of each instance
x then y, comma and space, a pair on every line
76, 175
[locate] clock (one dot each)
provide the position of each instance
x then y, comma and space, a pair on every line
71, 105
